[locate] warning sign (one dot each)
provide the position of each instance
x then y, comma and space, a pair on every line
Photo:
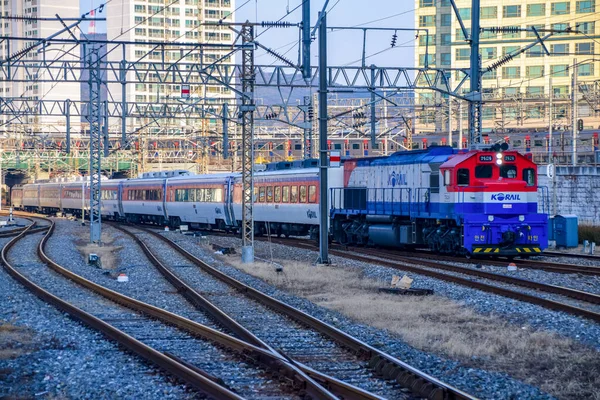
334, 159
185, 91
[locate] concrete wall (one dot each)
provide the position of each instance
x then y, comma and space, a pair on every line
577, 191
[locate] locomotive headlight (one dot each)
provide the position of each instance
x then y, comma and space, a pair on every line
499, 161
499, 156
521, 218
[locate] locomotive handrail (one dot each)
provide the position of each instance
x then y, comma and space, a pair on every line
545, 195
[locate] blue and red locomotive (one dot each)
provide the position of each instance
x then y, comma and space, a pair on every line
478, 202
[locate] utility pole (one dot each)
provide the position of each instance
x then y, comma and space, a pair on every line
574, 93
94, 82
323, 155
307, 111
449, 121
373, 115
225, 131
550, 121
247, 110
68, 124
475, 77
306, 40
460, 123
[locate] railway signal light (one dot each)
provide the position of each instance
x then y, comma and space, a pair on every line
579, 124
311, 113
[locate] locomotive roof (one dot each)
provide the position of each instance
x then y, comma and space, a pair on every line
437, 154
454, 161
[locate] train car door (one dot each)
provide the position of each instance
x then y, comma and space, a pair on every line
120, 199
228, 206
164, 200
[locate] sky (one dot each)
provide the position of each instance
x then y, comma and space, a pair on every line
344, 47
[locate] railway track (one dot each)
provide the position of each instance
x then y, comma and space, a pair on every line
415, 263
572, 255
122, 324
311, 349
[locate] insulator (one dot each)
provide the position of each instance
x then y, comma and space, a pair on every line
276, 24
394, 39
311, 113
501, 62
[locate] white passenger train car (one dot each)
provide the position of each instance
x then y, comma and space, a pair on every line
203, 201
110, 199
31, 197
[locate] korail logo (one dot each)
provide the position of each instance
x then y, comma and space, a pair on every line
507, 197
395, 178
311, 214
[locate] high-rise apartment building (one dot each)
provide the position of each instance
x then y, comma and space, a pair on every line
516, 94
30, 30
162, 21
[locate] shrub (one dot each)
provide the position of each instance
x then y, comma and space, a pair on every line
590, 233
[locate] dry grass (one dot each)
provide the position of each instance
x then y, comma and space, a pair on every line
559, 366
109, 254
589, 232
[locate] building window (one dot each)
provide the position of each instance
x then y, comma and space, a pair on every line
561, 90
589, 28
511, 72
489, 12
463, 54
531, 33
489, 74
559, 70
536, 10
560, 27
488, 53
585, 6
426, 3
561, 8
535, 91
459, 34
446, 19
445, 59
445, 39
426, 20
585, 70
511, 91
465, 13
535, 51
425, 40
511, 50
430, 59
559, 49
511, 11
488, 35
584, 48
534, 71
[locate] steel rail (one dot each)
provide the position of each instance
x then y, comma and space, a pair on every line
271, 361
388, 366
572, 255
148, 353
197, 300
411, 265
564, 291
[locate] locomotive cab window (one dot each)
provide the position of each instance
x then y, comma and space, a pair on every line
529, 176
483, 171
462, 177
508, 171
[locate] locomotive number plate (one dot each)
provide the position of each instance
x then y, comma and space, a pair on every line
486, 158
509, 158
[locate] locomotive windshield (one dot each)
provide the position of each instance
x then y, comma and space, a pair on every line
483, 171
508, 171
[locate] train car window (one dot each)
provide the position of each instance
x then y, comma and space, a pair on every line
517, 143
285, 195
538, 143
209, 195
277, 194
376, 146
302, 194
447, 178
255, 196
508, 171
269, 194
483, 171
297, 147
434, 182
312, 194
337, 146
462, 177
191, 194
355, 146
294, 194
261, 194
218, 195
200, 195
529, 176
